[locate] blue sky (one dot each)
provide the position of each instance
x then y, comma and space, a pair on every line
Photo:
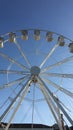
48, 14
53, 15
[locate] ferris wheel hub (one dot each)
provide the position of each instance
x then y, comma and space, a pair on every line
35, 70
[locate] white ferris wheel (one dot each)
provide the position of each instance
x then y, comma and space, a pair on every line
36, 77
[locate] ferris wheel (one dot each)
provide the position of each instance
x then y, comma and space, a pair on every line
36, 77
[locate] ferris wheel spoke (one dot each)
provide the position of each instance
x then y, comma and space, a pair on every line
67, 92
22, 53
13, 83
13, 61
58, 64
14, 72
49, 54
13, 101
62, 109
26, 88
56, 100
51, 104
57, 75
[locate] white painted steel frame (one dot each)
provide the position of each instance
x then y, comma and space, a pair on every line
52, 101
24, 93
13, 101
57, 102
51, 104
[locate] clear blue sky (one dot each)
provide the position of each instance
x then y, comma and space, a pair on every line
48, 14
54, 15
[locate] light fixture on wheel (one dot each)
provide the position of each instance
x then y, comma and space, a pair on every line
12, 37
49, 36
1, 42
37, 34
24, 35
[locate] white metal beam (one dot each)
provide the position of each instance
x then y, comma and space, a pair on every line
13, 101
52, 106
58, 63
14, 72
12, 60
67, 92
13, 82
56, 75
49, 54
22, 52
18, 105
59, 105
62, 109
